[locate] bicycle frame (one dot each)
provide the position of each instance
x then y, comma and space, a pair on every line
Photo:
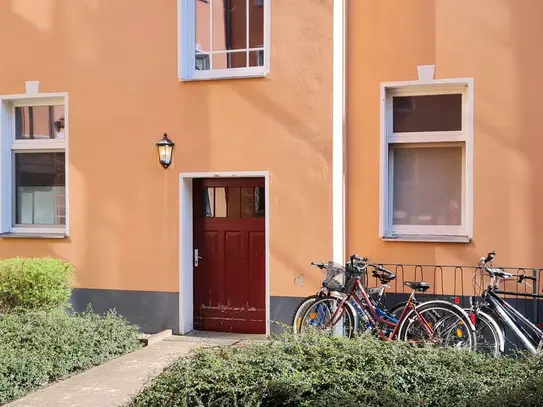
371, 312
506, 312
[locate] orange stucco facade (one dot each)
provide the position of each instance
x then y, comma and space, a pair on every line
118, 62
497, 43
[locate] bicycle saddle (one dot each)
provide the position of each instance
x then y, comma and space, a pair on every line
420, 286
384, 275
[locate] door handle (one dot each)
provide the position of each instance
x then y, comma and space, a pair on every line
196, 258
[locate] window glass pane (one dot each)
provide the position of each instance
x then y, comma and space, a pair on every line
203, 34
256, 25
427, 186
202, 62
256, 58
247, 200
229, 24
209, 202
427, 113
226, 30
235, 59
39, 122
234, 202
40, 189
260, 202
220, 202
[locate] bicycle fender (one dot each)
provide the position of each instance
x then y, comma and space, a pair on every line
461, 310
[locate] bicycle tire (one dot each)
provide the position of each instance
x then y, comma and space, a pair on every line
299, 311
325, 301
436, 305
498, 338
396, 310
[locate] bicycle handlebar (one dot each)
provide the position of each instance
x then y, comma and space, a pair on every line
500, 273
356, 257
525, 277
489, 257
380, 269
319, 265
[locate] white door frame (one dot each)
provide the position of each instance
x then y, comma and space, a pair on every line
186, 245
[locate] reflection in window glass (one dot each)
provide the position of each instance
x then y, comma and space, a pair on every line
40, 189
202, 62
229, 31
220, 203
39, 122
247, 200
209, 202
260, 202
427, 113
234, 202
427, 186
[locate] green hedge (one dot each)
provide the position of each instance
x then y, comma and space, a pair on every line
37, 348
319, 371
34, 283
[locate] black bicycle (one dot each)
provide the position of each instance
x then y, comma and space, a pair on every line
498, 313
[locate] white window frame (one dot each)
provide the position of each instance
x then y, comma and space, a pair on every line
186, 47
9, 145
430, 233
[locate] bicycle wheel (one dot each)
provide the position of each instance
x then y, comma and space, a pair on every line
490, 338
396, 310
299, 312
449, 324
318, 316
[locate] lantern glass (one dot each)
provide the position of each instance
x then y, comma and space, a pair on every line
165, 151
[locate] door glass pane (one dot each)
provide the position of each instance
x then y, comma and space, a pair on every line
39, 122
220, 202
209, 202
427, 186
247, 200
40, 189
260, 202
234, 202
427, 113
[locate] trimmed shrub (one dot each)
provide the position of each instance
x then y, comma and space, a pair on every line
38, 348
34, 283
318, 371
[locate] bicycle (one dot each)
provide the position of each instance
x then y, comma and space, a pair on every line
416, 324
497, 312
332, 287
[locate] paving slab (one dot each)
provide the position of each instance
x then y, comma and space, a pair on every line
113, 383
216, 338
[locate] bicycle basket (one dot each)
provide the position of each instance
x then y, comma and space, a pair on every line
336, 276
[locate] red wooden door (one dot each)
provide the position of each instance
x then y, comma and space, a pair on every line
229, 274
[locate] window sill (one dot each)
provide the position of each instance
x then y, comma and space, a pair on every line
226, 74
12, 235
427, 238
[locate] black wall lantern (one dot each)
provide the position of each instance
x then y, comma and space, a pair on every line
165, 151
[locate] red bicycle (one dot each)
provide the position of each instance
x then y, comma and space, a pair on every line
436, 322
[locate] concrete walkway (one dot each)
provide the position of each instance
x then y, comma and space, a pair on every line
114, 383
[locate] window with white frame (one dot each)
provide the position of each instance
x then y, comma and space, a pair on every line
426, 171
33, 165
223, 39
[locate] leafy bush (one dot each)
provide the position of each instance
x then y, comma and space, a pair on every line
37, 348
318, 371
34, 283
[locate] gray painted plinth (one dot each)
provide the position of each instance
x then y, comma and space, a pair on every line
155, 311
152, 311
